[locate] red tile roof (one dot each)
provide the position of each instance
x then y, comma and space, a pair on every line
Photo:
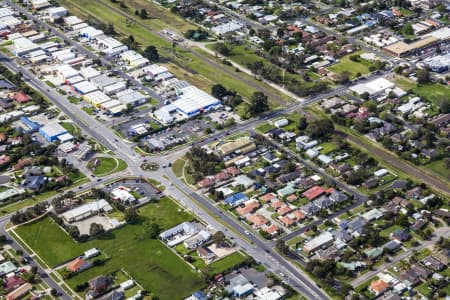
287, 221
267, 197
75, 264
313, 192
21, 97
207, 182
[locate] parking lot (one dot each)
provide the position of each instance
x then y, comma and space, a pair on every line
144, 189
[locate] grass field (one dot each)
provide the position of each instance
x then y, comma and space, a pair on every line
430, 91
438, 166
108, 165
148, 261
345, 64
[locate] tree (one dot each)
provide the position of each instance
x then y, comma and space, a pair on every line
131, 215
258, 103
302, 123
282, 247
423, 76
444, 104
218, 91
222, 49
402, 220
151, 53
96, 229
53, 292
152, 230
320, 128
143, 14
407, 29
218, 238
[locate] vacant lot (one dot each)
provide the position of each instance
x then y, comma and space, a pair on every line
354, 67
429, 91
148, 261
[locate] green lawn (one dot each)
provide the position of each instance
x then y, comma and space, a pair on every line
148, 261
177, 167
227, 263
108, 165
263, 128
438, 166
327, 147
70, 127
386, 232
89, 110
430, 91
354, 67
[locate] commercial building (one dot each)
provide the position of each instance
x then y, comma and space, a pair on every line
39, 4
193, 101
90, 32
86, 210
57, 12
110, 46
104, 80
131, 97
23, 46
115, 88
439, 64
324, 239
89, 72
122, 194
402, 49
65, 72
180, 233
51, 132
96, 98
373, 88
227, 27
72, 21
84, 87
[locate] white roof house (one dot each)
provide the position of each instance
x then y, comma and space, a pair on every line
91, 253
86, 210
227, 27
321, 240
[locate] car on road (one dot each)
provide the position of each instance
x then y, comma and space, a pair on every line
282, 274
246, 232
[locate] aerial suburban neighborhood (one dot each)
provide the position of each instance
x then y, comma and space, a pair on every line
228, 149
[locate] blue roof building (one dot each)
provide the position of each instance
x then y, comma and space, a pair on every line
30, 126
236, 199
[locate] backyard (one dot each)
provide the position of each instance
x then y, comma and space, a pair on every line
148, 261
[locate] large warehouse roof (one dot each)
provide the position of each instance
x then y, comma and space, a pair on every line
193, 100
84, 87
372, 87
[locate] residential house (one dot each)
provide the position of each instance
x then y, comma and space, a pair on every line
423, 272
310, 209
373, 253
19, 292
272, 230
401, 235
313, 192
370, 183
400, 201
321, 241
12, 283
414, 193
266, 198
114, 295
373, 214
432, 263
206, 183
285, 209
236, 199
249, 207
286, 221
98, 286
412, 277
257, 221
392, 246
207, 255
356, 225
33, 183
378, 287
78, 265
